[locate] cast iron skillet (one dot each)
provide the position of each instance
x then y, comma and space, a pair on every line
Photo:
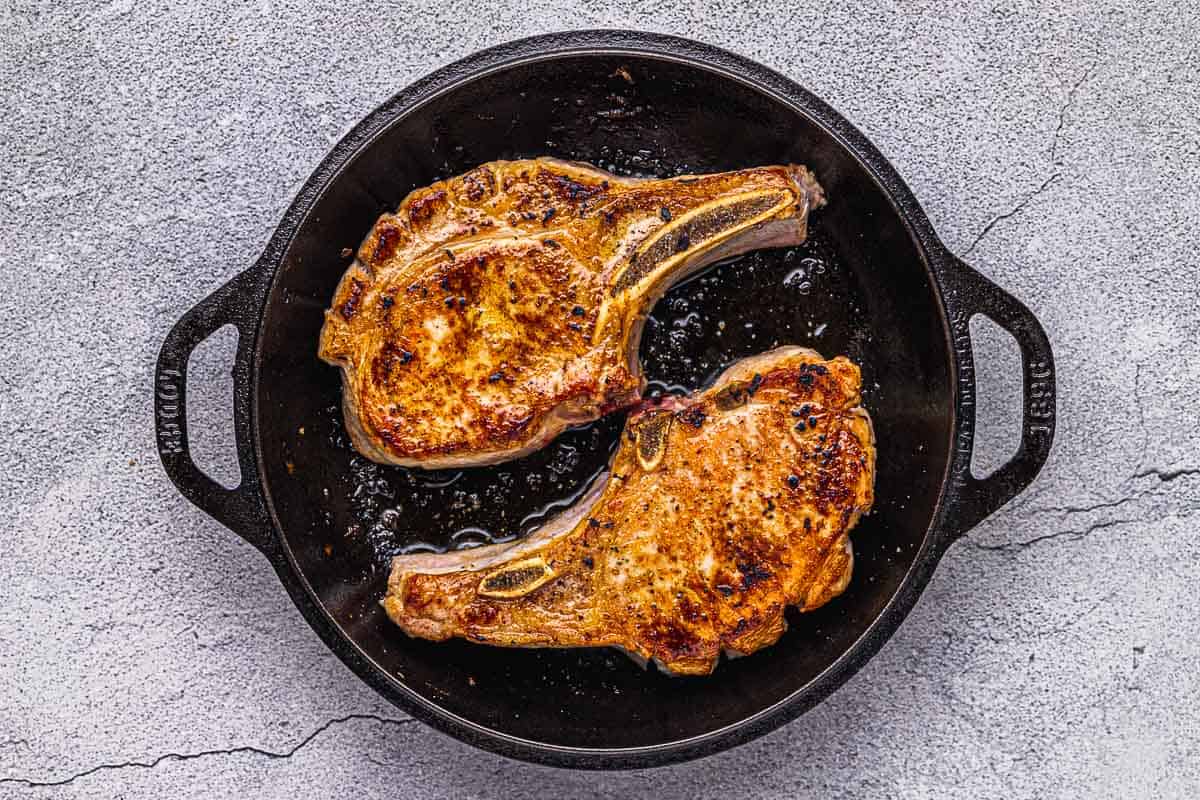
875, 284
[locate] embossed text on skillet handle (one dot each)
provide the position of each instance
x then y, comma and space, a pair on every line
969, 500
242, 508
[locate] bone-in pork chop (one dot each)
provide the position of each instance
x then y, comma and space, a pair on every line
718, 512
495, 309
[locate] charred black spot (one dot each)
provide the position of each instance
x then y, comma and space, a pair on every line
479, 182
350, 307
755, 382
694, 416
390, 357
571, 190
752, 573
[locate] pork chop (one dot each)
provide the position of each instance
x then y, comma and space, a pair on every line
497, 308
718, 512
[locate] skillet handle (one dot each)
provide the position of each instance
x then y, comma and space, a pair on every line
973, 499
241, 509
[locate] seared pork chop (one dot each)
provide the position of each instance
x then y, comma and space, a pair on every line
495, 309
718, 512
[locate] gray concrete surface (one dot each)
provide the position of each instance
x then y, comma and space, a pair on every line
148, 151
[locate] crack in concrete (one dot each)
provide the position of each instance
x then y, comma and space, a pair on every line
1086, 509
1167, 475
1072, 535
1163, 475
1140, 471
1075, 535
1062, 112
1020, 206
151, 764
1054, 162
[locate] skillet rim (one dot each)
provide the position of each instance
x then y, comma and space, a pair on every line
547, 48
250, 510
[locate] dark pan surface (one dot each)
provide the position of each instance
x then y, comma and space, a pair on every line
859, 281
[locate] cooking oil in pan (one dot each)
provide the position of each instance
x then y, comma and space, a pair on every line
732, 310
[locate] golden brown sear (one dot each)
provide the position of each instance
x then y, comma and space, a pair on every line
718, 512
494, 309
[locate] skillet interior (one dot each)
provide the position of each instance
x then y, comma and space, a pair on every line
869, 296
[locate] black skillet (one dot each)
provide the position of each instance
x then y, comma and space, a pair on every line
875, 283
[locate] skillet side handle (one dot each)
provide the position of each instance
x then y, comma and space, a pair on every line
241, 509
974, 499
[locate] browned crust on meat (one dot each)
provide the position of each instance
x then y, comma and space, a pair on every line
746, 511
509, 288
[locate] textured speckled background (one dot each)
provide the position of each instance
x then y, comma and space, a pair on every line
149, 149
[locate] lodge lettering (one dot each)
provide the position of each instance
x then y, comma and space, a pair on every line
170, 432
